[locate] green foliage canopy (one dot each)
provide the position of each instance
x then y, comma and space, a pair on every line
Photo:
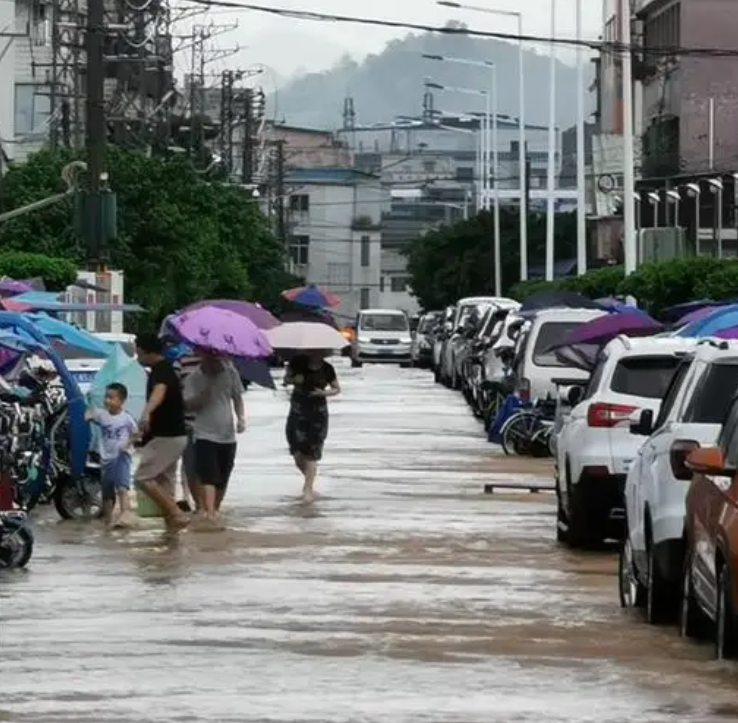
455, 261
181, 237
57, 273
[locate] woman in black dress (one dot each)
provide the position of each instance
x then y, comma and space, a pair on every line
314, 380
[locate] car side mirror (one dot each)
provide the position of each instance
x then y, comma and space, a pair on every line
708, 460
574, 396
644, 426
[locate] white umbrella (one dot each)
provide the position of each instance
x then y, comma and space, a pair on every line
305, 335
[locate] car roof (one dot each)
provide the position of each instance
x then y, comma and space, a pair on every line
625, 346
398, 312
565, 315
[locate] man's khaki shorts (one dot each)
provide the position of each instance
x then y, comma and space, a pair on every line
158, 462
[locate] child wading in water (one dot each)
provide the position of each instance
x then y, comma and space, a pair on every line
118, 431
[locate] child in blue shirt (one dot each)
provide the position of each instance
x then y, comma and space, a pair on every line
118, 431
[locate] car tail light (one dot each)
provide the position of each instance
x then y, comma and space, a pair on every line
608, 415
524, 390
678, 457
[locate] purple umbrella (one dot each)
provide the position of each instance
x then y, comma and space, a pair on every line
10, 286
253, 312
221, 330
730, 333
697, 315
605, 328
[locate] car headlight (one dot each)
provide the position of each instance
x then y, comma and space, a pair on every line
406, 341
363, 340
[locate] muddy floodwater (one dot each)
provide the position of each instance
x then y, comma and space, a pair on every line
405, 594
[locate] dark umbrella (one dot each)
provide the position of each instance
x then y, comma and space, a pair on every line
557, 300
605, 328
254, 370
259, 316
678, 311
317, 316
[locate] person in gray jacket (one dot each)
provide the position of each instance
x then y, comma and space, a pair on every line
214, 392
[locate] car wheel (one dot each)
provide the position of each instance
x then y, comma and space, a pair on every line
725, 627
632, 592
690, 616
562, 524
658, 596
581, 523
355, 364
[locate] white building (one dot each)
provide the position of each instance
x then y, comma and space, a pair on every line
7, 79
333, 220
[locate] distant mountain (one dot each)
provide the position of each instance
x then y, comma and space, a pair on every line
389, 84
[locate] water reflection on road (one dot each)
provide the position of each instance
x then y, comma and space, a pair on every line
404, 594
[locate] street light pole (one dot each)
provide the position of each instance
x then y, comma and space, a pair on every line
581, 146
522, 148
496, 166
629, 230
551, 180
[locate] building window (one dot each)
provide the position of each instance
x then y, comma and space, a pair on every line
300, 203
381, 284
364, 301
339, 275
464, 173
32, 111
399, 283
429, 166
366, 251
300, 250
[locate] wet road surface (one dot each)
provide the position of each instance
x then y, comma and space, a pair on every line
404, 594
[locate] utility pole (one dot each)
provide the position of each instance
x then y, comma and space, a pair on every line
226, 120
96, 130
281, 224
247, 149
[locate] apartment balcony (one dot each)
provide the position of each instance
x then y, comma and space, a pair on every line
365, 223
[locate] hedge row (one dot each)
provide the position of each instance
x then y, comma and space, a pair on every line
656, 285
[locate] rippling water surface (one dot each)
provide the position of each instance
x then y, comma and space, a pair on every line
404, 594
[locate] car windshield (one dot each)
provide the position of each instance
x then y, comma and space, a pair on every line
384, 322
427, 324
646, 377
712, 398
549, 334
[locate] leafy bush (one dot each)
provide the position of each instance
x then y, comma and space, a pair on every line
57, 273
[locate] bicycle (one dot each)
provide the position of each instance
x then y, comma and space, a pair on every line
529, 432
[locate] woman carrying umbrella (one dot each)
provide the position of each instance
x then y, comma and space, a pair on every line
314, 380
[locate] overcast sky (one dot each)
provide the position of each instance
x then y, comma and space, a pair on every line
291, 45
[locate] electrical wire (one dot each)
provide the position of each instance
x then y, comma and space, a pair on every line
598, 45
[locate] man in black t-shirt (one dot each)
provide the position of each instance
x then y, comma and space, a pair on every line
164, 436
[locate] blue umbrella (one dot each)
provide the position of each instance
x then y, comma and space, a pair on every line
722, 318
70, 335
121, 368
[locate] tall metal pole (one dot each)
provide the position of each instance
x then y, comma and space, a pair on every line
479, 175
581, 197
629, 231
522, 159
486, 155
496, 173
95, 122
551, 180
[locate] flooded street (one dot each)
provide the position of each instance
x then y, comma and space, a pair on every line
405, 594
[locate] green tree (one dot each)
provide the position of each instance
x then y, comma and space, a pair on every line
454, 261
181, 237
56, 273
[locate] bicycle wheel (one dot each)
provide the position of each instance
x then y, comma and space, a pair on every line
518, 433
541, 442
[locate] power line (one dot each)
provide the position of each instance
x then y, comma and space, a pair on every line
598, 45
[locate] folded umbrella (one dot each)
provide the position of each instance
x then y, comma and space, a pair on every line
221, 330
306, 336
311, 296
261, 318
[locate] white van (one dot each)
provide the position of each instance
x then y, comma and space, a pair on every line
382, 335
537, 367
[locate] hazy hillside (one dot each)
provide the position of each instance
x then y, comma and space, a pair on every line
391, 83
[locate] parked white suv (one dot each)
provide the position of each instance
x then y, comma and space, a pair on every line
691, 416
595, 445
